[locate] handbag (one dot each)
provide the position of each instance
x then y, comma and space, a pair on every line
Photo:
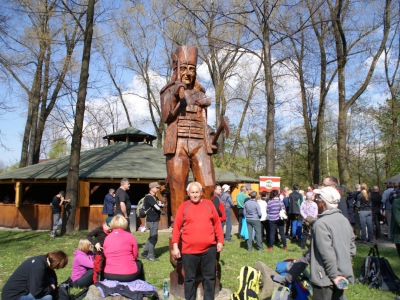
244, 232
282, 212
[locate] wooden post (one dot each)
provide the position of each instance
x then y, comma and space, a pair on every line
18, 193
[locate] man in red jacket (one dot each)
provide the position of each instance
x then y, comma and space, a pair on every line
197, 225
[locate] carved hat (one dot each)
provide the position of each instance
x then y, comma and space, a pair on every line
186, 54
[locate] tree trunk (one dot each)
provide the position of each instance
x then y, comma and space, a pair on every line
73, 171
341, 57
270, 97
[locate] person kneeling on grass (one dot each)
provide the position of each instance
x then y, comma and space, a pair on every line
121, 252
97, 237
35, 278
82, 265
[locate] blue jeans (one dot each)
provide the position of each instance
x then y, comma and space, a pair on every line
30, 297
366, 221
152, 240
228, 223
57, 221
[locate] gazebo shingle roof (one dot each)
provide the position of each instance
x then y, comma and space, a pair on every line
117, 160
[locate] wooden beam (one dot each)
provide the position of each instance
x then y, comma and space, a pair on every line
18, 193
83, 193
95, 188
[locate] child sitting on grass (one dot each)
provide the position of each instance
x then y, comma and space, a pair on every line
82, 265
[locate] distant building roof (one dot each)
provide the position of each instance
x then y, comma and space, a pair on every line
130, 134
118, 160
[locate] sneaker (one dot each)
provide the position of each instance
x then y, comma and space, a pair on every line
142, 255
269, 248
52, 235
284, 248
249, 250
152, 259
228, 241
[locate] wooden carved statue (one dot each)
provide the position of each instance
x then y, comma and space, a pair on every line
189, 141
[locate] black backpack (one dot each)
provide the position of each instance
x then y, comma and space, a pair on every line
377, 273
63, 290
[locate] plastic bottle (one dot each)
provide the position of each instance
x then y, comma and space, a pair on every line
166, 293
343, 283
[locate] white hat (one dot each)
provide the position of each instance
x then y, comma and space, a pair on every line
330, 195
225, 188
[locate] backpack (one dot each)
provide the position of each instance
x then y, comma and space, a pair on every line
249, 284
140, 212
281, 293
63, 290
377, 273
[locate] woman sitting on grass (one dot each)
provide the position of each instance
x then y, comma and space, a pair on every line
121, 252
35, 278
82, 266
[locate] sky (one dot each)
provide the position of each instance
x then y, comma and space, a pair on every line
12, 123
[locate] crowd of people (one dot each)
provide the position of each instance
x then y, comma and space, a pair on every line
330, 216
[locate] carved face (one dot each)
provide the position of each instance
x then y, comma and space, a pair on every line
188, 73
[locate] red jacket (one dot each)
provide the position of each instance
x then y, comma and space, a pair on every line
198, 226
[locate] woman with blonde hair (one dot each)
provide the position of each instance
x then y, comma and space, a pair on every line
365, 214
82, 265
121, 251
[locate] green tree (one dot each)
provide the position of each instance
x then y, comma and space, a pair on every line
59, 149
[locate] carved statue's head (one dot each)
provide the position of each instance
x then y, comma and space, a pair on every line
186, 58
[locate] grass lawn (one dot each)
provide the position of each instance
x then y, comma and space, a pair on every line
16, 246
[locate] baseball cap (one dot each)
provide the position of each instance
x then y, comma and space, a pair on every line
330, 195
226, 188
154, 184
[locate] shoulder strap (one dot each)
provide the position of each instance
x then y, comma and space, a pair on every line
149, 204
209, 208
184, 214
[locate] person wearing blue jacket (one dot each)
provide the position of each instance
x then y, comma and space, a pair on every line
109, 202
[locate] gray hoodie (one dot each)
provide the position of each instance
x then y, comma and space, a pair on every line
332, 248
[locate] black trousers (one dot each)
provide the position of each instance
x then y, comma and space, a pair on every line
289, 221
376, 224
206, 261
327, 293
241, 216
86, 279
128, 277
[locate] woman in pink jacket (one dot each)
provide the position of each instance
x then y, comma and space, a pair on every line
121, 251
82, 265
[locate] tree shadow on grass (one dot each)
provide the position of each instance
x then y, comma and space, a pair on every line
8, 237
